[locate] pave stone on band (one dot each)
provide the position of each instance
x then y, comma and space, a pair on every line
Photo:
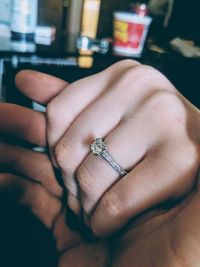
99, 149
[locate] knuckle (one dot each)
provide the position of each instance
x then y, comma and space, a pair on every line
130, 62
189, 159
62, 154
169, 107
144, 78
65, 155
84, 179
150, 79
111, 205
52, 110
152, 74
125, 63
145, 71
37, 196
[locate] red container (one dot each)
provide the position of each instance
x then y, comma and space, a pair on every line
130, 31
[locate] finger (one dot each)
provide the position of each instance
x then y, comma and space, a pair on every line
66, 238
152, 182
187, 218
73, 147
29, 164
127, 144
38, 86
98, 119
23, 123
67, 106
32, 195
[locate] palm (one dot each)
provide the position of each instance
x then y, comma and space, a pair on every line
160, 238
167, 239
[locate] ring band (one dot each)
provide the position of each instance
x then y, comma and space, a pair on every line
99, 149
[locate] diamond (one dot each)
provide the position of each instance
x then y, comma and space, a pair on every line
98, 147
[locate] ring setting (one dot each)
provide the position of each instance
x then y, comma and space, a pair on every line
99, 148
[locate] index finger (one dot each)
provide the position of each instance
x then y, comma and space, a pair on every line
39, 86
22, 123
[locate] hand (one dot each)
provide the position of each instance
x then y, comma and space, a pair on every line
149, 128
164, 237
161, 238
28, 178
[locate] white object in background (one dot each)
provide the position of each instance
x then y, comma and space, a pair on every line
24, 15
45, 31
42, 40
4, 30
5, 12
22, 46
45, 35
185, 48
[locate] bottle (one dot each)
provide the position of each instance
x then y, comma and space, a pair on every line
73, 27
24, 15
90, 18
74, 16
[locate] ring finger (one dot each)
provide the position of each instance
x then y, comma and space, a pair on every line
94, 175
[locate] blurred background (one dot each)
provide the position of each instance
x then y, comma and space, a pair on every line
89, 35
72, 39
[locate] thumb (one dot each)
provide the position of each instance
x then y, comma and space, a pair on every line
38, 86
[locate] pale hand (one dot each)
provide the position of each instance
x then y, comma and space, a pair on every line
160, 238
149, 128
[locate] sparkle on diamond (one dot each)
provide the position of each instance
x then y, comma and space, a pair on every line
98, 147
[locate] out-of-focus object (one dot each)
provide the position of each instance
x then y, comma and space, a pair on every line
184, 20
140, 9
130, 31
169, 12
24, 15
163, 8
2, 88
73, 27
90, 18
45, 31
5, 9
74, 17
45, 34
65, 7
152, 46
185, 48
22, 46
85, 43
85, 62
158, 7
36, 61
4, 30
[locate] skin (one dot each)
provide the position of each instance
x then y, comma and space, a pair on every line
165, 235
144, 121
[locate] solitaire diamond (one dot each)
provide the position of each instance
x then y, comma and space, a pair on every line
98, 147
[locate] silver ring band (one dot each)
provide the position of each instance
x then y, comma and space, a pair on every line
99, 149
